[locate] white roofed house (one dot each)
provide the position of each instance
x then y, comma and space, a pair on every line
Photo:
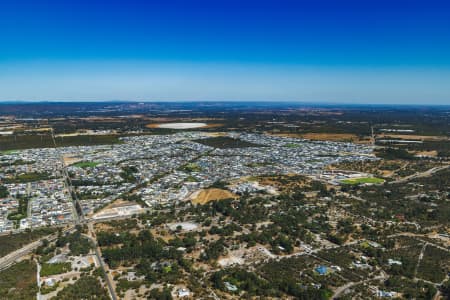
183, 292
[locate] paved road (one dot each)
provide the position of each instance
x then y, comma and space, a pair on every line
68, 183
38, 279
98, 253
30, 201
345, 287
11, 258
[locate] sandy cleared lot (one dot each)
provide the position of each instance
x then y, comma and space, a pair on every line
432, 153
414, 137
205, 196
338, 137
69, 160
185, 226
118, 209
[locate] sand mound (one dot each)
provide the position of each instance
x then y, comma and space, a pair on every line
207, 195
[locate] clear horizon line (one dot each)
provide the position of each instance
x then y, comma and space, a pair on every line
299, 102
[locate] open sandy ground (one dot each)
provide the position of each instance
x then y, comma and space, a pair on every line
213, 194
338, 137
414, 137
183, 125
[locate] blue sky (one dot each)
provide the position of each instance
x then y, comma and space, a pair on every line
325, 51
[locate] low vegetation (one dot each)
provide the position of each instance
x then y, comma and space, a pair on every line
19, 281
78, 244
226, 142
87, 287
27, 177
11, 242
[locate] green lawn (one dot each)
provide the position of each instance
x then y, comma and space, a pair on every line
191, 167
85, 164
6, 152
53, 269
362, 180
191, 179
292, 145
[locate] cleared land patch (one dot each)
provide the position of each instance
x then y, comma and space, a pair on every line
414, 137
337, 137
213, 194
70, 160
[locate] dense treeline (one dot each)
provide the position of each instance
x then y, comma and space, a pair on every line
3, 191
284, 275
128, 173
224, 142
243, 281
78, 244
154, 258
22, 210
27, 177
27, 141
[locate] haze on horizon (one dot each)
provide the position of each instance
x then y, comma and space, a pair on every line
374, 52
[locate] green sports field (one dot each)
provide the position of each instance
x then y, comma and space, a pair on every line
85, 164
362, 180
